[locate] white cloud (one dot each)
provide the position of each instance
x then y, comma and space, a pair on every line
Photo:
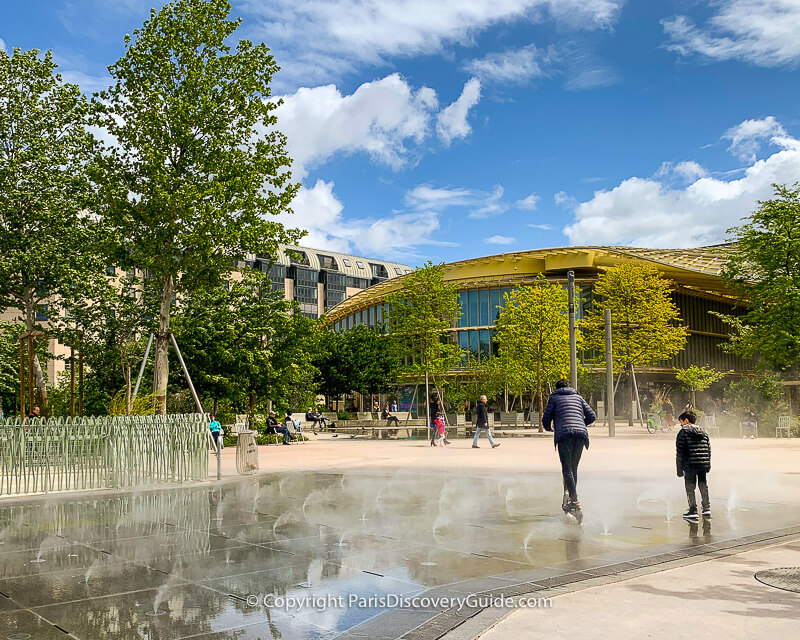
500, 240
2, 45
763, 32
563, 199
379, 119
483, 204
541, 227
425, 196
746, 138
398, 236
316, 40
451, 122
688, 170
528, 203
514, 66
595, 78
648, 212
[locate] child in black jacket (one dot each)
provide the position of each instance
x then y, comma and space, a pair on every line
693, 460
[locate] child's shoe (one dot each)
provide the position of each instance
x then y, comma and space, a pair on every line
691, 514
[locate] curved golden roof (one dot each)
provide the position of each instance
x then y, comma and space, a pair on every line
697, 270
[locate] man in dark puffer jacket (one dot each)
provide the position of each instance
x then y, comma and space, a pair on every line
569, 414
693, 460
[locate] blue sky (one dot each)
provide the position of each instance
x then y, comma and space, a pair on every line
452, 129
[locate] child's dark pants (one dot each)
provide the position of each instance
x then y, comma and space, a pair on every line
692, 478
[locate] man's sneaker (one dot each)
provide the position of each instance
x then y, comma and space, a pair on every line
691, 514
495, 445
475, 446
707, 513
752, 436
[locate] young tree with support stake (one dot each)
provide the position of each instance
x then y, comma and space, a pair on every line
533, 337
420, 314
645, 323
48, 253
696, 379
197, 165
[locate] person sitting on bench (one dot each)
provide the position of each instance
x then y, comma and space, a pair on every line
316, 417
388, 416
272, 424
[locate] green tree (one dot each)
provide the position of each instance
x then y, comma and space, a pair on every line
9, 364
763, 265
197, 167
533, 337
47, 251
696, 379
360, 359
477, 376
645, 323
421, 313
246, 344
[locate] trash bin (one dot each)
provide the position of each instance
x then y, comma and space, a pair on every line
246, 453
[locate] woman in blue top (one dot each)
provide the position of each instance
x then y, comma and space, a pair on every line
215, 427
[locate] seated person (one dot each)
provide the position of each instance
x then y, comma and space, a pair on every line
388, 416
749, 423
272, 424
284, 428
316, 417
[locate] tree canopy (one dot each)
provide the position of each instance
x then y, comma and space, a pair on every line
764, 267
696, 379
197, 167
533, 336
48, 252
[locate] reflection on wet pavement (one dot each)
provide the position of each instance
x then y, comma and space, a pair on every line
200, 562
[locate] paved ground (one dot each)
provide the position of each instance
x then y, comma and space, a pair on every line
633, 451
342, 516
713, 599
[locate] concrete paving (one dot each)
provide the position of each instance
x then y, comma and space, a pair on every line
338, 519
719, 598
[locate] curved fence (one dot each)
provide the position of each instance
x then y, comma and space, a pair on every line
60, 454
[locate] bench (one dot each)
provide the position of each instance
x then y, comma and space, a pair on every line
512, 419
364, 415
784, 426
741, 430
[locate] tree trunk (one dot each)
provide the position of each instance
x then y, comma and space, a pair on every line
630, 396
128, 407
161, 365
694, 399
38, 375
541, 411
215, 407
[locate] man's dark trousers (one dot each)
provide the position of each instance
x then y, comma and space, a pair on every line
691, 479
570, 449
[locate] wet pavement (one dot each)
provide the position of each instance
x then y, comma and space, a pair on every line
200, 562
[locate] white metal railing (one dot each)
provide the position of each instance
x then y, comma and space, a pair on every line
106, 452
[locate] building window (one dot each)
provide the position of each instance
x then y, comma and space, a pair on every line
378, 270
357, 283
111, 271
483, 307
347, 263
408, 270
494, 305
398, 271
473, 309
41, 314
360, 265
327, 262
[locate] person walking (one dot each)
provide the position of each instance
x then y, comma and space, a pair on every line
567, 414
215, 427
434, 409
440, 431
693, 462
482, 422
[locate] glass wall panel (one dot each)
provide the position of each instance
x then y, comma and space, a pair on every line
483, 307
372, 316
463, 321
473, 309
474, 343
494, 303
485, 343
